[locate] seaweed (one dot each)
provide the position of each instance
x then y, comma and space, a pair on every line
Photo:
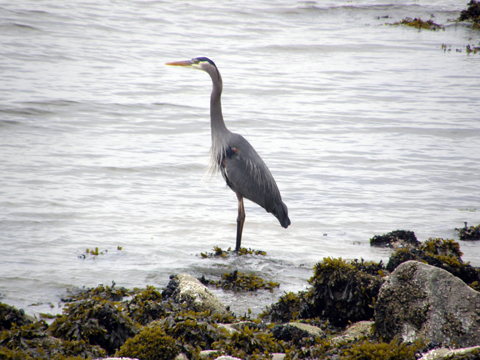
469, 233
419, 24
238, 281
342, 293
367, 349
193, 331
218, 252
471, 13
98, 322
33, 341
10, 316
100, 292
249, 343
394, 238
146, 306
152, 343
288, 307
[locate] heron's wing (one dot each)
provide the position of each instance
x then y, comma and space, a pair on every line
247, 174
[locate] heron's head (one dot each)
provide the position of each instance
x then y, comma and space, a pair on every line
199, 63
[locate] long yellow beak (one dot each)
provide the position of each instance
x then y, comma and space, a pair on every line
180, 63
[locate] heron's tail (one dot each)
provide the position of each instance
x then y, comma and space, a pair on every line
281, 212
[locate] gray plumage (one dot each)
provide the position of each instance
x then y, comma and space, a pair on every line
232, 155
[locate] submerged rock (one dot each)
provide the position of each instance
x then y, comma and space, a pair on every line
423, 302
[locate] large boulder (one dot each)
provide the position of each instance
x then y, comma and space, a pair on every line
196, 295
420, 301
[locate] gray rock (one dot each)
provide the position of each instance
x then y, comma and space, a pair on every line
197, 295
354, 332
442, 353
296, 331
181, 356
207, 353
311, 330
420, 301
227, 358
228, 327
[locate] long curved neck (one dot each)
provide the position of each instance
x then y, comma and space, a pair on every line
216, 118
220, 133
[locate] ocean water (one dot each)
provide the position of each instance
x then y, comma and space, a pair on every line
366, 127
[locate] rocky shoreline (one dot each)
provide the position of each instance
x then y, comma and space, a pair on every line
423, 304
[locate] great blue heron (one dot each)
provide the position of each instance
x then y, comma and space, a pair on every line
241, 167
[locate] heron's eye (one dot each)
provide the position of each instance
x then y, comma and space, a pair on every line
195, 61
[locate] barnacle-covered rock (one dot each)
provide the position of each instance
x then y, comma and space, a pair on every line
297, 332
190, 291
470, 353
438, 252
423, 302
357, 331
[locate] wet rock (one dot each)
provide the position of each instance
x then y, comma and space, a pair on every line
181, 356
197, 296
296, 332
395, 239
471, 353
355, 332
438, 252
420, 301
205, 354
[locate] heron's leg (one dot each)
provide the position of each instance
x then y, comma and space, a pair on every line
240, 221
